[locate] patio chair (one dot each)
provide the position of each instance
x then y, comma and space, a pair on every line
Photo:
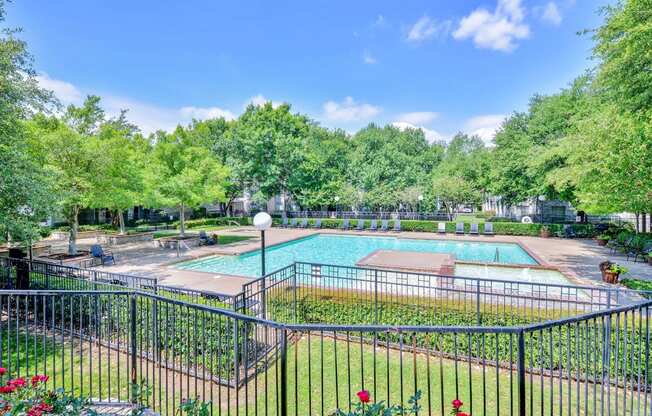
441, 228
105, 256
304, 223
317, 223
345, 224
638, 247
459, 228
373, 226
284, 224
360, 225
488, 228
621, 240
205, 240
397, 225
569, 232
293, 223
384, 225
474, 229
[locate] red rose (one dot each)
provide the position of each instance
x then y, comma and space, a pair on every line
462, 414
45, 407
7, 389
3, 371
364, 397
39, 378
19, 382
457, 403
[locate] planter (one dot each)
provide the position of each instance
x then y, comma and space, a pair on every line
602, 242
117, 239
610, 277
545, 233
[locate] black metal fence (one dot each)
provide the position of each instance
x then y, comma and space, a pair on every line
129, 345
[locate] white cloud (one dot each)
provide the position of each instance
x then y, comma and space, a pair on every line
498, 30
431, 135
426, 28
148, 117
380, 20
551, 14
348, 110
368, 58
418, 117
484, 126
64, 91
259, 100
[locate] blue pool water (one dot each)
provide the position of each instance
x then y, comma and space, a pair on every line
348, 250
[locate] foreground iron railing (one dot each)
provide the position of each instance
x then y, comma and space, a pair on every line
552, 353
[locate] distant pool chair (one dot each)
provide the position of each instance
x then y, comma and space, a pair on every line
459, 228
384, 225
105, 256
284, 224
441, 228
474, 229
304, 223
397, 225
373, 226
293, 223
317, 223
205, 240
488, 228
360, 225
345, 224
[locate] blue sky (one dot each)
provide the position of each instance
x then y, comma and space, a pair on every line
445, 66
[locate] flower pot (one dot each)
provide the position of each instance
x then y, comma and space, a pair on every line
545, 233
610, 277
602, 242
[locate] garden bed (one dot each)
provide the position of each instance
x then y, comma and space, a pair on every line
119, 239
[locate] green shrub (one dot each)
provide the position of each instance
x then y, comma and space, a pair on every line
219, 221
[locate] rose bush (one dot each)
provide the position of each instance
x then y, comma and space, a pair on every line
365, 408
18, 396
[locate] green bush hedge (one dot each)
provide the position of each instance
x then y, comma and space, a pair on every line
205, 222
503, 228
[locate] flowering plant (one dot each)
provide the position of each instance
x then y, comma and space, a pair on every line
194, 407
457, 408
31, 397
365, 408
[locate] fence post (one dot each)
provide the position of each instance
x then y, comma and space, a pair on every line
521, 372
294, 292
155, 326
133, 351
376, 297
477, 303
284, 373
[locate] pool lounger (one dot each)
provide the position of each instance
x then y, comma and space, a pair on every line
488, 228
474, 228
397, 225
373, 226
360, 225
441, 228
384, 225
459, 228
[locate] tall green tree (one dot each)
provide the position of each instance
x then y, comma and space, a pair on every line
24, 193
184, 175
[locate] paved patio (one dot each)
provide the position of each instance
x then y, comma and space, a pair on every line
578, 258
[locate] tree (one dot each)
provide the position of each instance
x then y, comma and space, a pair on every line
24, 193
118, 182
184, 175
454, 191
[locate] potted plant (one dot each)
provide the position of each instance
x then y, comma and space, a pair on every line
545, 232
602, 240
612, 273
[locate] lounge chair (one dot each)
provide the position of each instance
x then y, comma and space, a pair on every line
441, 228
569, 232
293, 223
474, 228
360, 225
304, 223
284, 224
384, 225
373, 226
638, 247
317, 223
459, 228
397, 225
205, 240
105, 256
345, 224
488, 228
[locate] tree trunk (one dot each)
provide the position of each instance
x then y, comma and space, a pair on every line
638, 228
74, 226
182, 221
644, 222
121, 221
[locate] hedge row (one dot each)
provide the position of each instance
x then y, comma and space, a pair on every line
503, 228
218, 221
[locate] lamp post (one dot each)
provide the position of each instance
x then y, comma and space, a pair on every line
262, 222
420, 198
337, 200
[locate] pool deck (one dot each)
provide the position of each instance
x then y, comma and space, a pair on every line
576, 258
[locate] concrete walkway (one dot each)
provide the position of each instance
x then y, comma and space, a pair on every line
578, 258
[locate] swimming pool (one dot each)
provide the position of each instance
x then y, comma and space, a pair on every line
347, 250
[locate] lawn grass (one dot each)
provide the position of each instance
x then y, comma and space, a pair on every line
222, 239
638, 284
